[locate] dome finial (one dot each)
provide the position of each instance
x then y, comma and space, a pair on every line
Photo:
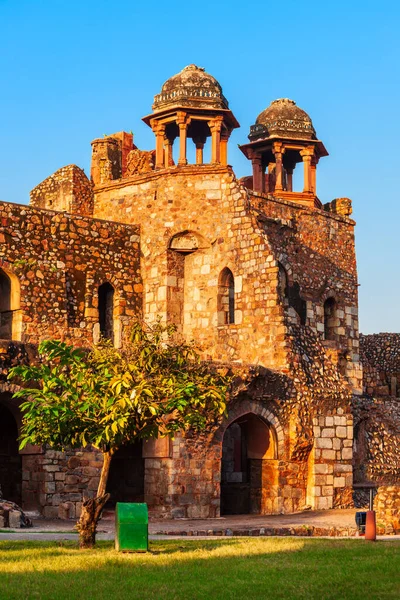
191, 87
193, 67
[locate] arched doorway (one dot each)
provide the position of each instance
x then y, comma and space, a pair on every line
126, 478
10, 459
249, 445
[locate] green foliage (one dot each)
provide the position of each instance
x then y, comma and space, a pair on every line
154, 386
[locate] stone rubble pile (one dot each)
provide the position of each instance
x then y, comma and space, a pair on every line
11, 515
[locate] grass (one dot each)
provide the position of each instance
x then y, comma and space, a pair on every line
239, 568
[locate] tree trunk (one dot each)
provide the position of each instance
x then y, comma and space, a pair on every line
92, 508
101, 490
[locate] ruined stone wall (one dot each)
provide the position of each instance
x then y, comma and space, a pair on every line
317, 252
387, 506
376, 439
380, 355
53, 483
57, 262
68, 189
377, 412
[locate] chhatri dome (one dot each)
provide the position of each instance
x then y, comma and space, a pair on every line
283, 118
191, 106
191, 87
282, 137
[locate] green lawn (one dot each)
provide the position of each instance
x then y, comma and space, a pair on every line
245, 568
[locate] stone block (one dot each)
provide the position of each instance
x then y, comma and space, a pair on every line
341, 432
339, 482
50, 512
328, 454
66, 510
320, 479
328, 433
14, 519
321, 503
323, 443
322, 468
347, 453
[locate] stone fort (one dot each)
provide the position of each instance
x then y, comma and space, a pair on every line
261, 274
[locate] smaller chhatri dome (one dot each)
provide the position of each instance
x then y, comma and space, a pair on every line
283, 118
191, 87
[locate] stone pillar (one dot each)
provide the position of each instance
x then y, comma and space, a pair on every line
183, 124
314, 162
159, 130
271, 177
289, 179
215, 127
224, 147
199, 142
306, 155
278, 150
168, 159
256, 162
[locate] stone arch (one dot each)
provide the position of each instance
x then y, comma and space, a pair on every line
284, 262
259, 409
187, 241
249, 462
10, 298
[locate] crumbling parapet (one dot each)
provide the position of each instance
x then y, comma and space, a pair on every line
68, 190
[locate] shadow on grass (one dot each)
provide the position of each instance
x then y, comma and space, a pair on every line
289, 568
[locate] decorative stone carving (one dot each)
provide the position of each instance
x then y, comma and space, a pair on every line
139, 161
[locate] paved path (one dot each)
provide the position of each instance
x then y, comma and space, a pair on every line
327, 523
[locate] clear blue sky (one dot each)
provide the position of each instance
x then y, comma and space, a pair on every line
73, 70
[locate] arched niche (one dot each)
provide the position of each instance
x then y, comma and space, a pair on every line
182, 251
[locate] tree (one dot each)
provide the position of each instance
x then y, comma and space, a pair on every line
155, 386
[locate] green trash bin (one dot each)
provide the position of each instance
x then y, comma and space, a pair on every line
131, 527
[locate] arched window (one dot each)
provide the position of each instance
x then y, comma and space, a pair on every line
226, 298
330, 319
6, 312
106, 311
